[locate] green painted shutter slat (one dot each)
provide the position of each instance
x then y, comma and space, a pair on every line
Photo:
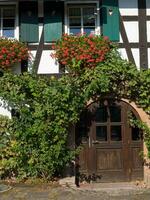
29, 30
53, 20
110, 23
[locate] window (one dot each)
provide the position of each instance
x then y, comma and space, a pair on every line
82, 19
108, 123
7, 21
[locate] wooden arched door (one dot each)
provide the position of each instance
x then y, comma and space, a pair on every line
111, 148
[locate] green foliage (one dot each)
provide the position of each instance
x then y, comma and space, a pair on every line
44, 109
145, 129
5, 140
4, 132
143, 95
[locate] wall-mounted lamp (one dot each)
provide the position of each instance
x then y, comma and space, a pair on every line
96, 11
110, 10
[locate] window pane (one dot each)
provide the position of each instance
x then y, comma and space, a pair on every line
136, 133
116, 133
88, 17
89, 31
9, 23
101, 114
74, 12
0, 19
88, 22
75, 31
115, 114
101, 133
8, 18
8, 33
8, 12
75, 21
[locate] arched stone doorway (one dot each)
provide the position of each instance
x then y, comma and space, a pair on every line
111, 148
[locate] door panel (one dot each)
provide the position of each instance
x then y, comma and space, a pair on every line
112, 148
109, 160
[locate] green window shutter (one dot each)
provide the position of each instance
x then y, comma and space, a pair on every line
110, 19
28, 16
53, 20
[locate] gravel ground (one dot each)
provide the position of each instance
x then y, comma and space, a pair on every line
49, 192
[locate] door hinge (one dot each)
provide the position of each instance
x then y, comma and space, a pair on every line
89, 141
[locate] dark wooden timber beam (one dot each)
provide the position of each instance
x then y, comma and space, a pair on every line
143, 34
126, 41
39, 52
130, 18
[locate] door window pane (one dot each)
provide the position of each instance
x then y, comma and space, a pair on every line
136, 135
116, 133
101, 114
115, 114
101, 133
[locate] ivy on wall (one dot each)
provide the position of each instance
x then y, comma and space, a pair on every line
44, 109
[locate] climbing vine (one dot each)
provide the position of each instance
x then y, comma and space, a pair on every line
44, 110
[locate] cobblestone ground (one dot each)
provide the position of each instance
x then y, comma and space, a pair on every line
46, 192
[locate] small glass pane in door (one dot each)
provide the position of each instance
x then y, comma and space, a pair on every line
116, 133
101, 114
101, 133
136, 135
115, 114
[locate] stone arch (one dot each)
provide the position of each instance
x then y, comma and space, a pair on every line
144, 117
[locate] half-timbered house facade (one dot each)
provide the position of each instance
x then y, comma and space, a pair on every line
112, 147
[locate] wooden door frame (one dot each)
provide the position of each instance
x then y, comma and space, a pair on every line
124, 106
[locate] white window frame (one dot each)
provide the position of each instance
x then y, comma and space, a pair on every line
77, 4
11, 4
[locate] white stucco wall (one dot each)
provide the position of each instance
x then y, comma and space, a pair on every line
123, 53
148, 6
136, 57
149, 57
128, 7
3, 110
48, 65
